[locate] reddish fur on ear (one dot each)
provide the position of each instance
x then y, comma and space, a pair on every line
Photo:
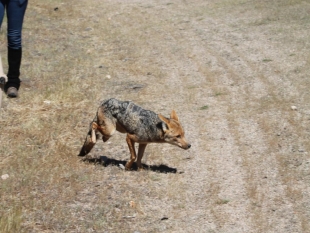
174, 115
164, 119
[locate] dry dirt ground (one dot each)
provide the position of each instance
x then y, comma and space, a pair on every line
235, 71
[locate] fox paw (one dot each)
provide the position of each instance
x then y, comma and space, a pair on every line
128, 166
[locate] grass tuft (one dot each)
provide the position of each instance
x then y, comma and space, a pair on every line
204, 107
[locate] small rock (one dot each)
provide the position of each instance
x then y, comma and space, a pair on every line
132, 216
294, 108
108, 76
164, 218
4, 177
135, 87
121, 166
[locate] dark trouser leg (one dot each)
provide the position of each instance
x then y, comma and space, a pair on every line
2, 9
15, 15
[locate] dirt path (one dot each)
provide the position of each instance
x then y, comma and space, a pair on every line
249, 166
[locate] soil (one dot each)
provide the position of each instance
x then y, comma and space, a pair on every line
236, 73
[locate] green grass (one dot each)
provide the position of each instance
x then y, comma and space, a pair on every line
204, 107
267, 60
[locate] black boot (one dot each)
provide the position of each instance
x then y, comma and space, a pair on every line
14, 60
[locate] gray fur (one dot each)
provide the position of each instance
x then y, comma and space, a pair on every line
136, 120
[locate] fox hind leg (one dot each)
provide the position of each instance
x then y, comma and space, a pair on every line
103, 124
131, 146
106, 123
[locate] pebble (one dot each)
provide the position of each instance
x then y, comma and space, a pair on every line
294, 108
4, 177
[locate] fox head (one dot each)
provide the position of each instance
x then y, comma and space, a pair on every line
173, 131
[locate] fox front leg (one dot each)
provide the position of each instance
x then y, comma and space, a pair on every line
140, 155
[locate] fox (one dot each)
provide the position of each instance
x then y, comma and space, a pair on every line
141, 126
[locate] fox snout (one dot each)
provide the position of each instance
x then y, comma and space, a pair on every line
184, 145
187, 146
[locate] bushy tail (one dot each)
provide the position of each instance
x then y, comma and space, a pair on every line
90, 141
88, 145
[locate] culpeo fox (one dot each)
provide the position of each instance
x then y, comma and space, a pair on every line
142, 126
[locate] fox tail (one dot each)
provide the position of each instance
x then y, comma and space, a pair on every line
90, 141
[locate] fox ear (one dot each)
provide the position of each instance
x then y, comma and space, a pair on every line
164, 123
164, 126
164, 119
174, 115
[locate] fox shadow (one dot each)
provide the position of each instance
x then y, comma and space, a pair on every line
105, 161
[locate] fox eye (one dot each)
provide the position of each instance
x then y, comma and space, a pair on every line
179, 136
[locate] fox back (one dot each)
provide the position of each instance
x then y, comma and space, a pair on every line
145, 124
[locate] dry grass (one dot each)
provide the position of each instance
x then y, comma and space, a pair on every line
231, 69
68, 56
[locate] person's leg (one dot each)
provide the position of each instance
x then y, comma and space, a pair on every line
15, 14
2, 12
2, 9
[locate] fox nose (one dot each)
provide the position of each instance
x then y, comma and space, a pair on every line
189, 146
